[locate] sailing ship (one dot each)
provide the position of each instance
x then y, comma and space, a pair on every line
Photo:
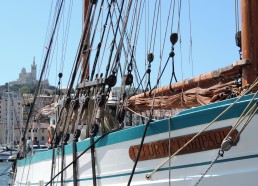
212, 141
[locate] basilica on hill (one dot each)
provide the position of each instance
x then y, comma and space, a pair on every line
27, 77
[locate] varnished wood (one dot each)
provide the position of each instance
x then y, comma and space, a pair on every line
249, 38
205, 141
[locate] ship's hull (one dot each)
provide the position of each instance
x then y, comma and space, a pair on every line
114, 163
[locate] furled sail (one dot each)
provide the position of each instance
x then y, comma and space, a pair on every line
201, 90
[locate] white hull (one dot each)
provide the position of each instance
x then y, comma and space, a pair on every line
238, 166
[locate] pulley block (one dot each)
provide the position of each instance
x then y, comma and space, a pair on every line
111, 80
67, 101
94, 129
75, 103
93, 1
150, 57
128, 79
172, 54
173, 38
77, 134
120, 115
66, 138
85, 102
101, 100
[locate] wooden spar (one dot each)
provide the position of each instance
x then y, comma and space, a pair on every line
249, 37
87, 39
201, 90
228, 71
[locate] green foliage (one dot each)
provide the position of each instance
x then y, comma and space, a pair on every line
25, 89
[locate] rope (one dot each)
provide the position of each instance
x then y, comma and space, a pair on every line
92, 40
136, 113
139, 152
101, 137
78, 55
42, 72
5, 171
100, 43
112, 47
215, 119
191, 41
242, 116
220, 154
169, 150
248, 121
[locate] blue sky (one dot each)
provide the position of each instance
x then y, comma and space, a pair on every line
24, 25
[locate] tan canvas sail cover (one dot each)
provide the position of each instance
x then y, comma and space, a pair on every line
201, 90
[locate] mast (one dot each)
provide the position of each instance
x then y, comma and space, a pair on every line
86, 5
249, 37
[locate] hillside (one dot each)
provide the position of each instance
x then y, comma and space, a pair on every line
25, 88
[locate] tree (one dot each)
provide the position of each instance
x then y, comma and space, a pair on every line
25, 89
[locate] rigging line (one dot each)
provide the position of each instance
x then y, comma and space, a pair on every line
136, 71
236, 15
121, 44
112, 47
3, 173
78, 56
128, 39
133, 20
242, 116
169, 150
88, 13
88, 54
169, 12
179, 15
247, 122
136, 113
173, 14
255, 83
191, 40
105, 47
117, 58
88, 51
101, 40
148, 31
155, 32
138, 154
41, 75
153, 19
128, 42
145, 38
157, 82
66, 35
160, 74
95, 142
180, 38
47, 29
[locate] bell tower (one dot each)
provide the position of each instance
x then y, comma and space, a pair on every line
34, 70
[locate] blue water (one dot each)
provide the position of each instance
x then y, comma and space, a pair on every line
4, 178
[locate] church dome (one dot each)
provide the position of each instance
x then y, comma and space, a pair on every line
23, 70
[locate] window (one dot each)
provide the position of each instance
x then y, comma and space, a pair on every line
43, 138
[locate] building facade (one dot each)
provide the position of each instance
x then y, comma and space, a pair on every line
10, 116
37, 133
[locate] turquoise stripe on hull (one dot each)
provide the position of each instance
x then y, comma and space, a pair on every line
189, 118
162, 169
